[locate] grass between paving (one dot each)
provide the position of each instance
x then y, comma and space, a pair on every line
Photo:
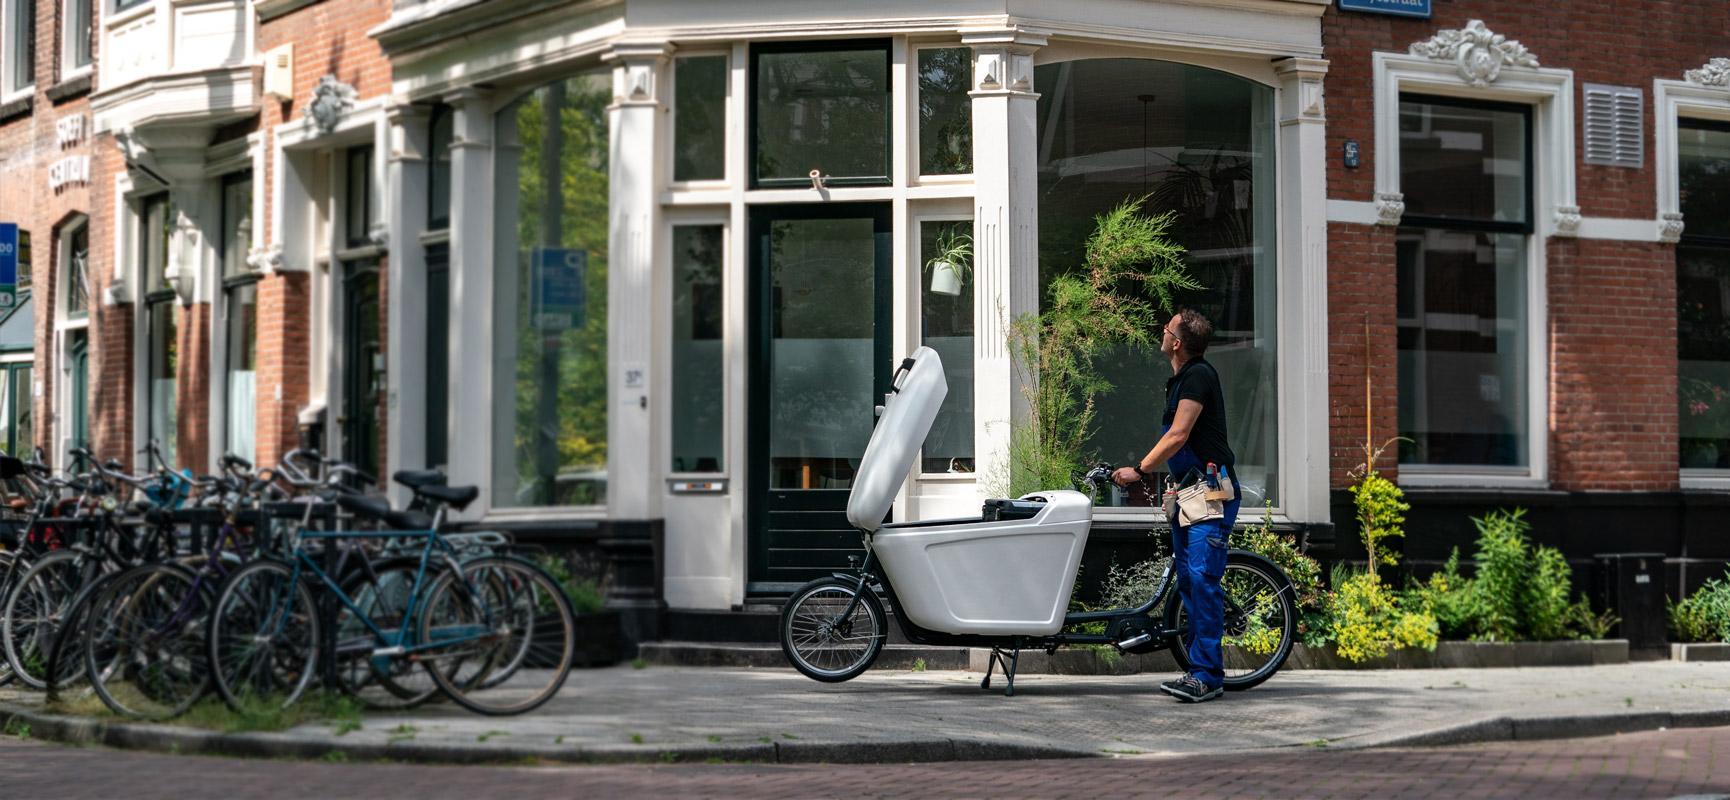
256, 713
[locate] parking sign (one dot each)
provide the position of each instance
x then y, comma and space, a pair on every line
8, 264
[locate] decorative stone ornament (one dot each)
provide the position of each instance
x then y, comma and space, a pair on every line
331, 98
1478, 53
1670, 227
1390, 206
1715, 73
1567, 220
265, 259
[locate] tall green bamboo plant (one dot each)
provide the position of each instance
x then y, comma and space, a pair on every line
1123, 293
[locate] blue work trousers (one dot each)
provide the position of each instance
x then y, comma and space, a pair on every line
1198, 559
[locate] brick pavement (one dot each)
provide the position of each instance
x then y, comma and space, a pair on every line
1658, 764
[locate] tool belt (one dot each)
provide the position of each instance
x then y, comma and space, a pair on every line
1197, 501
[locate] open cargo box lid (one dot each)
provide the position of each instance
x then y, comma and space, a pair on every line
919, 389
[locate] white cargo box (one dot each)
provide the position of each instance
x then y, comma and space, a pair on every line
1004, 577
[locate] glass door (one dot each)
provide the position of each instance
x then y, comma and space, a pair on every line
820, 363
362, 368
79, 409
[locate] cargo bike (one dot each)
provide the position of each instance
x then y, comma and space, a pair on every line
1001, 580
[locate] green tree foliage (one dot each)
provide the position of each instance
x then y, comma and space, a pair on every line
1129, 258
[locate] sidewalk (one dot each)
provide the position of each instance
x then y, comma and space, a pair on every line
775, 715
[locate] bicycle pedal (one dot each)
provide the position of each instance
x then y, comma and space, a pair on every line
1135, 641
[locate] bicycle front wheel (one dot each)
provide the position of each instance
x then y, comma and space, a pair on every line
822, 639
1260, 621
34, 610
499, 635
263, 637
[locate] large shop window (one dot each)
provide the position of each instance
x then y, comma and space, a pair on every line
550, 287
821, 106
699, 361
699, 118
240, 306
1200, 144
946, 325
1465, 170
161, 334
1703, 294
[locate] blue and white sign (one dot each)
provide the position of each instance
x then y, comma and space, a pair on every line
561, 294
8, 264
1398, 8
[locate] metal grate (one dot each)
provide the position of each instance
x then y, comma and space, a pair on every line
1614, 125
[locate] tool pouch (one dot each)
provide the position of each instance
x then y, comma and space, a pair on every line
1200, 503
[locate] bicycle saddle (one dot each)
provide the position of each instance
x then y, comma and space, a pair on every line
419, 478
457, 497
378, 509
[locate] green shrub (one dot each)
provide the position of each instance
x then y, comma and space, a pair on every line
1703, 616
1305, 574
1451, 598
1368, 620
1381, 509
586, 595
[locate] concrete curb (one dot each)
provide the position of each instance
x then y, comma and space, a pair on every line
190, 741
1582, 726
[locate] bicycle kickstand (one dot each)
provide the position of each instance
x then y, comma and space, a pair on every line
1009, 662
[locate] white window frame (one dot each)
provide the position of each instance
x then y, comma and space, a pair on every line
1550, 93
228, 159
697, 218
7, 44
934, 212
1673, 101
64, 326
68, 69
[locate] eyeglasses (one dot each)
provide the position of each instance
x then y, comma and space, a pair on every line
1171, 333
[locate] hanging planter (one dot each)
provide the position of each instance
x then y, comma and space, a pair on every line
952, 264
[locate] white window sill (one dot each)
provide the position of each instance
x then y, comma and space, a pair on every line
68, 73
11, 97
1715, 479
1418, 478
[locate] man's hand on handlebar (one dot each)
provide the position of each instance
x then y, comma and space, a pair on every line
1124, 476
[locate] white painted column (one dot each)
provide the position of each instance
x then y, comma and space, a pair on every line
1005, 233
405, 354
634, 480
471, 374
1304, 462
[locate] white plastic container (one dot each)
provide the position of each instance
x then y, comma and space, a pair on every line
1011, 577
1008, 577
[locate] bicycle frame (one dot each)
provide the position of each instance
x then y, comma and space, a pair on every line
391, 645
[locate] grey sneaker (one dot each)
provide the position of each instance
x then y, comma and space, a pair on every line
1189, 689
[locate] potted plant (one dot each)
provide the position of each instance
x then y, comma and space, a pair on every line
952, 264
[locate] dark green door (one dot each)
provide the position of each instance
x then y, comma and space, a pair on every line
80, 389
363, 367
820, 362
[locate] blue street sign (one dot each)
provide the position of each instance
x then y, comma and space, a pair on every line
8, 264
561, 293
1399, 8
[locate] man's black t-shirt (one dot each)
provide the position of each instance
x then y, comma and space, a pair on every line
1199, 381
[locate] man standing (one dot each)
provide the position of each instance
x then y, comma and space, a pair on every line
1193, 436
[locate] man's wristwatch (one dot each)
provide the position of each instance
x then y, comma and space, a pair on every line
1142, 472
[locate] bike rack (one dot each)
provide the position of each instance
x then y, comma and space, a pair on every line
1009, 662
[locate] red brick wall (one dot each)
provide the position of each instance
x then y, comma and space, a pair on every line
192, 385
27, 149
283, 351
1602, 436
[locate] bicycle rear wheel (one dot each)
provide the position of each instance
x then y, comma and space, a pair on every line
263, 637
511, 635
1260, 620
144, 643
